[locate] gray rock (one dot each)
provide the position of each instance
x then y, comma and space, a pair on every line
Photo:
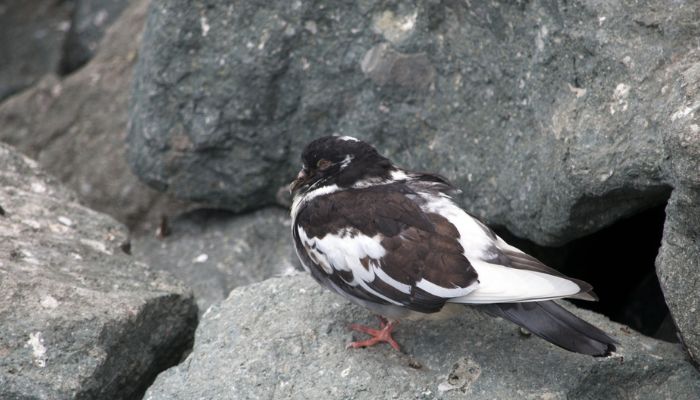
75, 128
679, 258
285, 339
89, 21
549, 115
555, 118
79, 319
215, 251
33, 34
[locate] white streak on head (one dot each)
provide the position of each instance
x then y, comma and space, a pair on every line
346, 161
348, 138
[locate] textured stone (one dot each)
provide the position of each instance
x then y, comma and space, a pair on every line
285, 339
75, 127
89, 21
555, 118
215, 251
33, 34
79, 318
678, 263
550, 116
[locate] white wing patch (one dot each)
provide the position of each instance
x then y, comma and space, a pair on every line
497, 283
398, 175
344, 251
500, 284
445, 293
474, 241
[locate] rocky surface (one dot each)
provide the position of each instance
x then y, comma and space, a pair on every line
80, 318
49, 37
216, 251
551, 116
33, 34
285, 338
555, 118
75, 127
88, 24
678, 263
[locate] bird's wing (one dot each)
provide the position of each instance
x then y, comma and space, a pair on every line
377, 244
505, 273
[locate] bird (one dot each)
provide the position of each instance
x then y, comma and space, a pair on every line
397, 242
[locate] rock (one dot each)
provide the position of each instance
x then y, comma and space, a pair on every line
215, 251
90, 20
80, 319
285, 339
555, 118
76, 127
33, 33
679, 257
677, 267
548, 115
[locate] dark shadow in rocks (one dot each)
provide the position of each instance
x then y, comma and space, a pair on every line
619, 262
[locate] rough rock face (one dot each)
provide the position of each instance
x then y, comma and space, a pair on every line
79, 319
678, 263
216, 251
285, 338
89, 22
76, 127
550, 116
42, 37
555, 118
33, 33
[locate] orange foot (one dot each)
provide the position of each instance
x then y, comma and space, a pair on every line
382, 335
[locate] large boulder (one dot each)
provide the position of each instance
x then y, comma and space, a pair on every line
678, 262
215, 251
551, 116
75, 127
81, 319
33, 35
44, 37
555, 118
285, 339
88, 24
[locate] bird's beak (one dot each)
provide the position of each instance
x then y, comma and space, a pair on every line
301, 178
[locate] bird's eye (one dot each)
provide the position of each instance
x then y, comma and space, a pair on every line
323, 164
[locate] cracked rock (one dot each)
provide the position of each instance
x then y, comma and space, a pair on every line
285, 339
79, 318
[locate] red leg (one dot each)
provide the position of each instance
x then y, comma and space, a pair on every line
381, 335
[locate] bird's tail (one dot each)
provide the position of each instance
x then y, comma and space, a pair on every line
553, 323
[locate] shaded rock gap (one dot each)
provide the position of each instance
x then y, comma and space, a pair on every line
619, 261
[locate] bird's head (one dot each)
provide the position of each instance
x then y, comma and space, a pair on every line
338, 160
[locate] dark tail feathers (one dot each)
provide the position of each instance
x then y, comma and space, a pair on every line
553, 323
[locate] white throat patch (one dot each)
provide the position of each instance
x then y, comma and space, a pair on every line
306, 197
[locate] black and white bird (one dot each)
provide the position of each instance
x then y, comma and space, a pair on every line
395, 242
